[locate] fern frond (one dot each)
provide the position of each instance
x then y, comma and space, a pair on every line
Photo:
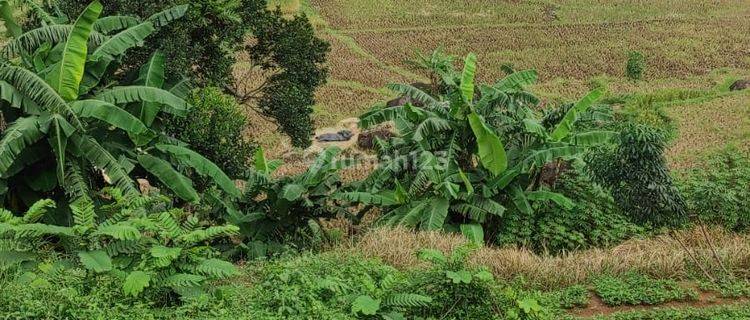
120, 231
83, 213
34, 230
168, 225
210, 233
184, 280
407, 300
216, 268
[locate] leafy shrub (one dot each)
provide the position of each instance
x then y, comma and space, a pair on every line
276, 213
468, 159
718, 192
636, 65
138, 238
204, 47
327, 287
636, 172
215, 129
71, 127
637, 289
594, 220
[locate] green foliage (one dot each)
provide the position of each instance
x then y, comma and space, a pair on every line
215, 129
138, 238
204, 47
279, 213
740, 311
471, 156
636, 172
70, 121
594, 220
636, 65
718, 192
637, 289
462, 292
290, 51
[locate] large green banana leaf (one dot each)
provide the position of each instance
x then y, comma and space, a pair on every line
66, 76
17, 137
181, 185
124, 95
110, 114
491, 150
151, 75
467, 77
566, 125
121, 42
203, 166
109, 24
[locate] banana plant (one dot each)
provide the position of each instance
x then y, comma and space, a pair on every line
471, 156
70, 128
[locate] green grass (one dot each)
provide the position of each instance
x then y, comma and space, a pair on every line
637, 289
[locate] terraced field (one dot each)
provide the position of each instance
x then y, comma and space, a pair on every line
689, 44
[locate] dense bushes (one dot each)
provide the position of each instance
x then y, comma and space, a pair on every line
593, 221
215, 128
205, 44
719, 191
636, 172
142, 240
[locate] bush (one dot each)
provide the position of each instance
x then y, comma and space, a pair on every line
150, 246
636, 65
204, 45
636, 172
636, 289
215, 129
593, 221
200, 46
718, 191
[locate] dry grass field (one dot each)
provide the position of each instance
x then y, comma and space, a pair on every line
689, 44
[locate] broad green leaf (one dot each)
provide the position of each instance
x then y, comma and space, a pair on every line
122, 41
436, 213
473, 232
467, 183
175, 181
61, 130
108, 24
203, 166
517, 80
467, 77
109, 113
565, 126
491, 150
18, 136
111, 169
555, 197
164, 17
165, 252
519, 199
292, 192
98, 260
593, 138
124, 95
135, 283
67, 73
261, 165
40, 92
366, 305
151, 75
6, 14
33, 39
